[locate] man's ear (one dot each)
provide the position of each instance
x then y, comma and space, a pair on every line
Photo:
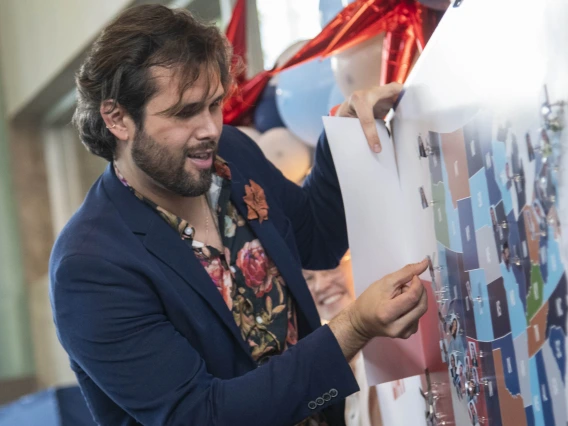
117, 120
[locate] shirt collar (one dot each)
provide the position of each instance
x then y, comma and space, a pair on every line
181, 226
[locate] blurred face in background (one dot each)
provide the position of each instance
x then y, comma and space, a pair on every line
332, 289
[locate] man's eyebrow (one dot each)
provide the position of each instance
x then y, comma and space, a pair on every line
200, 104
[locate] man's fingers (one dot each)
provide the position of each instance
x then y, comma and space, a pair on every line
404, 303
409, 321
360, 102
404, 275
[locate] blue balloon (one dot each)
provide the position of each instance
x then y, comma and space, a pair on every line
266, 114
330, 8
335, 97
302, 98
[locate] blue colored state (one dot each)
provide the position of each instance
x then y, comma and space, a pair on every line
480, 200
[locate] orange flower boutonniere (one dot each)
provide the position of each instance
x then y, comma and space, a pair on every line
256, 202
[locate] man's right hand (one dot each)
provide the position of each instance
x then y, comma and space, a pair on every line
390, 307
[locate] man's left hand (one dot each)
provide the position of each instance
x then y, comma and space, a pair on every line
369, 105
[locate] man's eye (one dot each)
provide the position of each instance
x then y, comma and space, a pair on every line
185, 114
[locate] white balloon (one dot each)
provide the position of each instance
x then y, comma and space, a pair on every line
251, 132
285, 56
287, 152
359, 67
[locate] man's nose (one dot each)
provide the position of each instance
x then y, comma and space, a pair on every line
208, 128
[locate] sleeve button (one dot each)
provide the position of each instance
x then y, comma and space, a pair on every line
333, 393
320, 401
312, 405
326, 397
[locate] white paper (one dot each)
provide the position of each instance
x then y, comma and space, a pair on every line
381, 240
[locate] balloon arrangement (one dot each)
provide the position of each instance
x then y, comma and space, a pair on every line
368, 42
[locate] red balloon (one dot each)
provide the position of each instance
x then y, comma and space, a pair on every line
357, 22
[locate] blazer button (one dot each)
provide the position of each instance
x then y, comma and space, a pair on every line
263, 360
312, 405
333, 393
326, 397
320, 401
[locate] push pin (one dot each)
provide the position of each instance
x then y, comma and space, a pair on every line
423, 199
552, 113
504, 224
422, 150
552, 221
517, 178
516, 261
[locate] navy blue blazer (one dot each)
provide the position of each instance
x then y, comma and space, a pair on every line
151, 339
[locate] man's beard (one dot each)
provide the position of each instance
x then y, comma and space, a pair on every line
168, 169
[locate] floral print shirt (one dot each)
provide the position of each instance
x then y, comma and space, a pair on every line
245, 276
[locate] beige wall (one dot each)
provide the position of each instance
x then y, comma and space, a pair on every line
39, 38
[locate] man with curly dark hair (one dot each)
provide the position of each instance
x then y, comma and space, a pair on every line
177, 287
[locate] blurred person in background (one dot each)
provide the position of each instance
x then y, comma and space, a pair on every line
333, 291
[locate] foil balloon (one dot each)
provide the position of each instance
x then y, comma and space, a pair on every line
302, 98
359, 67
287, 152
251, 132
406, 21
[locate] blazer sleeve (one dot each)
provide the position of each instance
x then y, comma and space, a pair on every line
112, 325
315, 210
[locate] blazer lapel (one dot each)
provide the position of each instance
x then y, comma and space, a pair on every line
162, 241
276, 248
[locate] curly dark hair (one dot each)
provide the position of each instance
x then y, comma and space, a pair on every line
118, 67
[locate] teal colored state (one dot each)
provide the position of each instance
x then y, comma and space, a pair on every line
480, 200
517, 315
555, 266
